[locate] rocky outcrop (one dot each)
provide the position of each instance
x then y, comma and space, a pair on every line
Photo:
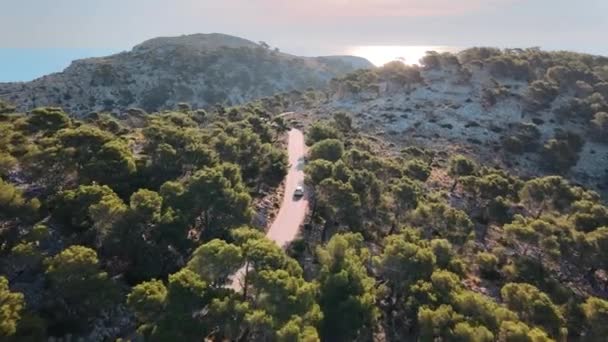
200, 69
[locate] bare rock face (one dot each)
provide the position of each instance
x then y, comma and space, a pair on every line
200, 69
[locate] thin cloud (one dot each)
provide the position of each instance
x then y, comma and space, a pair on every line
373, 8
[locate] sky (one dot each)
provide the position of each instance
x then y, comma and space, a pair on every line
42, 36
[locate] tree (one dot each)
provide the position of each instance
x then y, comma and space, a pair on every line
488, 264
320, 130
460, 166
534, 237
79, 286
215, 261
147, 300
437, 323
318, 170
589, 215
466, 332
405, 196
599, 126
328, 149
402, 264
339, 202
13, 202
562, 152
275, 164
533, 306
540, 94
288, 300
11, 307
343, 122
347, 293
83, 143
417, 169
482, 309
439, 219
514, 331
112, 165
47, 120
217, 197
596, 315
187, 293
89, 210
550, 192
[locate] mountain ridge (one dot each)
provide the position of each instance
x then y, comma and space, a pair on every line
201, 69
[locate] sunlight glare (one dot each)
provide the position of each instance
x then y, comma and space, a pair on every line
409, 54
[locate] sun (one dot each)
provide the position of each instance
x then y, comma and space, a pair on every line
409, 54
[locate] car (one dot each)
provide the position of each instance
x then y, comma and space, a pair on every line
299, 191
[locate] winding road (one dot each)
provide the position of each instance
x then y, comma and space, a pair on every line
293, 209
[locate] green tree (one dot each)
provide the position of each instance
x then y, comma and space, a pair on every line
343, 122
11, 307
318, 170
88, 210
320, 130
533, 306
596, 315
347, 292
513, 331
562, 152
599, 126
465, 332
328, 149
78, 285
437, 323
439, 219
218, 198
405, 194
460, 166
550, 192
339, 202
402, 264
148, 300
215, 261
417, 169
112, 165
83, 143
48, 120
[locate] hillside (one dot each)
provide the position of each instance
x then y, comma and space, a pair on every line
200, 69
443, 200
530, 111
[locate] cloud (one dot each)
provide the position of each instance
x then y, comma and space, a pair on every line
372, 8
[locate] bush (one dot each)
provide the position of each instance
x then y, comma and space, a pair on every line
540, 95
525, 138
488, 265
599, 126
562, 152
417, 169
329, 149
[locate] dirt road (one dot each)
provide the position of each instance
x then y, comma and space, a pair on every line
293, 209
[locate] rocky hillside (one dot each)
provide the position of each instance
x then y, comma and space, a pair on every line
201, 69
530, 111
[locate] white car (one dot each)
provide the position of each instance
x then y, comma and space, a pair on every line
299, 191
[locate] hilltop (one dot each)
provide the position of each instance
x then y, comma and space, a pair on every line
201, 69
530, 111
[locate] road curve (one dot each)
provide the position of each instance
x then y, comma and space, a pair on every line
293, 210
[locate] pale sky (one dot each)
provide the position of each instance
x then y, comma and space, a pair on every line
311, 27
